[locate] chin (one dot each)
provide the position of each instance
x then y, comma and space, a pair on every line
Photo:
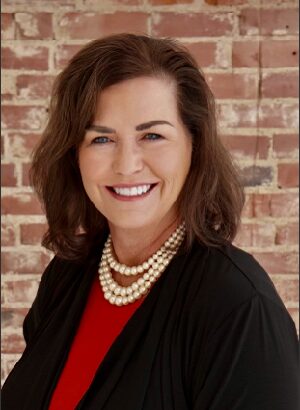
131, 223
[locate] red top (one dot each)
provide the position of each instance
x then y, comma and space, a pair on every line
99, 326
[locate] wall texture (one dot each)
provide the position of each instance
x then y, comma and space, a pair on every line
248, 51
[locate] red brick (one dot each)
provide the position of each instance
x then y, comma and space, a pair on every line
192, 24
23, 117
285, 146
12, 342
21, 291
115, 2
288, 175
237, 115
34, 86
25, 57
23, 262
271, 205
34, 25
93, 25
13, 317
63, 54
288, 289
287, 234
274, 205
8, 175
2, 147
280, 85
37, 3
278, 115
21, 204
245, 53
25, 174
279, 2
8, 235
226, 2
204, 53
31, 234
278, 263
232, 85
6, 97
256, 235
169, 2
268, 21
7, 26
247, 211
249, 22
279, 53
247, 146
21, 145
279, 21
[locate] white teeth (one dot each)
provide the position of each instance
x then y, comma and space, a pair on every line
133, 191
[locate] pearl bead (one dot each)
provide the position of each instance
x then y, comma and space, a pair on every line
153, 268
127, 271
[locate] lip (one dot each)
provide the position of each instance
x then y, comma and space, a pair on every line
130, 198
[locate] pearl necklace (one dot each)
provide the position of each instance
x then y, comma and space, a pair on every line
153, 268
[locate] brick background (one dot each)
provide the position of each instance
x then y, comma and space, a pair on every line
249, 53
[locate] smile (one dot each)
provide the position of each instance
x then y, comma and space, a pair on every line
131, 192
136, 190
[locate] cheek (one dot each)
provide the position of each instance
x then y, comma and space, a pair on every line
89, 166
175, 163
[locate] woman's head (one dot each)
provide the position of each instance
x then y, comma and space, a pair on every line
210, 200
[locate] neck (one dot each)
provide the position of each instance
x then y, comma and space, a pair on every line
133, 247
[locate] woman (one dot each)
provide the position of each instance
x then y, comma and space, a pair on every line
139, 193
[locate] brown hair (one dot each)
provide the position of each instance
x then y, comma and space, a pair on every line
212, 198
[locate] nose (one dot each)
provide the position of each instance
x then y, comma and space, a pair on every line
128, 159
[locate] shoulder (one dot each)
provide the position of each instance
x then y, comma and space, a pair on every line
224, 279
62, 277
245, 269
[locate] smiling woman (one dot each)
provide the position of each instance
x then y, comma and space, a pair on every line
146, 304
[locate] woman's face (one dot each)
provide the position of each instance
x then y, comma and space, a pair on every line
136, 155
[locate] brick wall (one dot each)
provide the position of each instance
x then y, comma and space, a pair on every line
248, 50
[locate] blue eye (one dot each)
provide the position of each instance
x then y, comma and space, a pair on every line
100, 140
153, 137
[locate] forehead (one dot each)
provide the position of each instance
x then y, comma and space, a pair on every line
139, 97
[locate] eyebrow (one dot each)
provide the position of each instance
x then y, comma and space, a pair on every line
140, 127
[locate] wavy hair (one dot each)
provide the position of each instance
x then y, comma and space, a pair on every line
212, 198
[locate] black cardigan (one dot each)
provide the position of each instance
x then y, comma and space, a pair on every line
212, 334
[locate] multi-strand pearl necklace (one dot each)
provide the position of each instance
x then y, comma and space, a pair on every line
152, 269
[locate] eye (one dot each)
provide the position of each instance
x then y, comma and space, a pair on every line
153, 137
100, 140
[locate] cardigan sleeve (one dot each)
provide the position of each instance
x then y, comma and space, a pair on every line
251, 361
35, 313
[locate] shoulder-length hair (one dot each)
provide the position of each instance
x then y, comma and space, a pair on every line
212, 198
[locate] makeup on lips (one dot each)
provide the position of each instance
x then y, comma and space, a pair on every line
131, 192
